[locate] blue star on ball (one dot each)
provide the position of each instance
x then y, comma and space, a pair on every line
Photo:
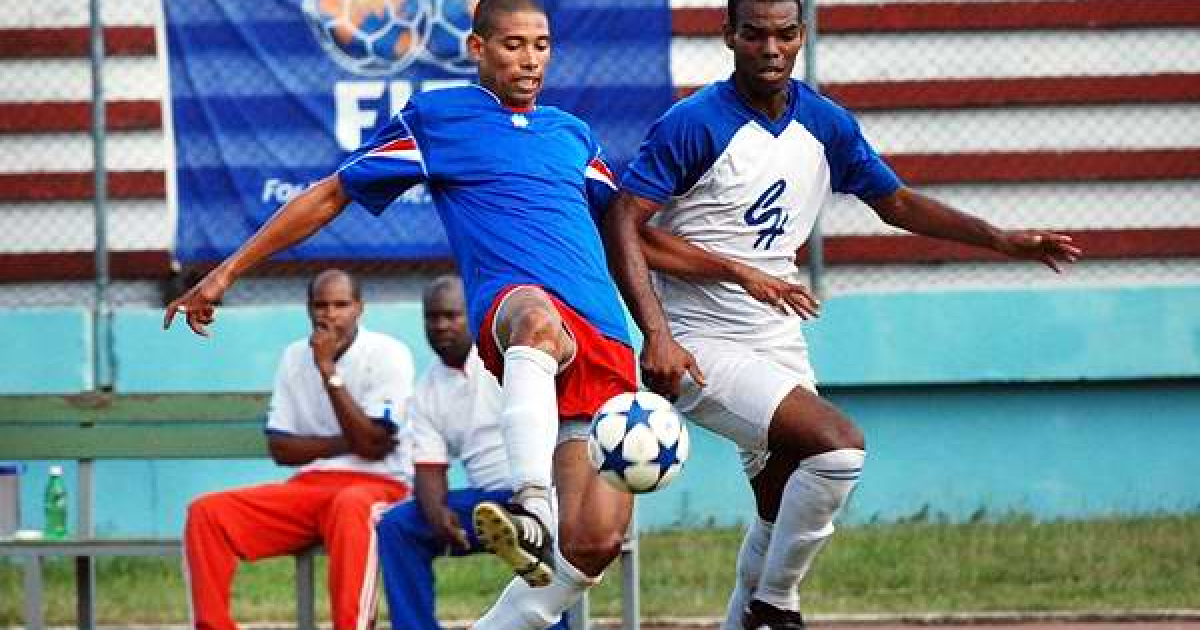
667, 455
636, 415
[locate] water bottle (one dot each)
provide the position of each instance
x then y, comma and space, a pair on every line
56, 505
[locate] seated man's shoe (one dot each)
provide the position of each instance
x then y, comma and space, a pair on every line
760, 615
518, 538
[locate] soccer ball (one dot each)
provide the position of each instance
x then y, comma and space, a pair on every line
371, 37
638, 442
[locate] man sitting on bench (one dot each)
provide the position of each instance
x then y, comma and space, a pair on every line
338, 400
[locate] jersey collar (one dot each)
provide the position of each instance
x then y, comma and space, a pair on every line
470, 366
515, 110
774, 127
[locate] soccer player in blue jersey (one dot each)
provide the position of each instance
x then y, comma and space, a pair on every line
736, 174
519, 188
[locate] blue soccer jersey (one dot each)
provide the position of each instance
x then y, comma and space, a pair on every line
749, 188
520, 194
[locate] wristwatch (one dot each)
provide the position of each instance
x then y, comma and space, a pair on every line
335, 380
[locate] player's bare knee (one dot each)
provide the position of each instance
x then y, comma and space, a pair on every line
849, 436
593, 553
536, 326
799, 436
834, 429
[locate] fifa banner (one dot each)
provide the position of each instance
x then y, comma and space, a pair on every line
268, 96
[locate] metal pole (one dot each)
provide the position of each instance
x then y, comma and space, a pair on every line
306, 615
630, 579
101, 308
85, 571
816, 240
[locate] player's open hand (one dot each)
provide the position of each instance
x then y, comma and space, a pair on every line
664, 363
1049, 248
787, 298
198, 304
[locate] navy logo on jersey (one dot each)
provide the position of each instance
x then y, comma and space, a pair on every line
761, 213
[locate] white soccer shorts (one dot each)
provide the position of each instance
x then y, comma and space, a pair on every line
745, 385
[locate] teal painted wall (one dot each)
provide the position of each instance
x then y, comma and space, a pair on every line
45, 351
1059, 450
1007, 336
873, 339
1049, 404
242, 352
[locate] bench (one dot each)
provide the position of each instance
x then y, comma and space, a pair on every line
90, 427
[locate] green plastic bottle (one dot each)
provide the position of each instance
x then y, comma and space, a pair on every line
56, 505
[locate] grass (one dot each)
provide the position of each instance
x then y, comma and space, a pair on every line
1110, 565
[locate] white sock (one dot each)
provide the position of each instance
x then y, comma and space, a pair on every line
522, 607
811, 499
749, 569
529, 420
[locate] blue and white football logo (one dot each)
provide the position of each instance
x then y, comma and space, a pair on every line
385, 37
446, 47
638, 442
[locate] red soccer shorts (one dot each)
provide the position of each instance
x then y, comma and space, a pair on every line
602, 367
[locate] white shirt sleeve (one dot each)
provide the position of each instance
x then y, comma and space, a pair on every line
283, 408
429, 446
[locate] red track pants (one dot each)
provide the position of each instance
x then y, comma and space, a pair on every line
337, 508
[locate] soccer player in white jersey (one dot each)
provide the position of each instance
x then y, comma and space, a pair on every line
736, 174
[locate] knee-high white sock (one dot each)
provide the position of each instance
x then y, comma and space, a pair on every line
522, 607
811, 499
749, 569
529, 420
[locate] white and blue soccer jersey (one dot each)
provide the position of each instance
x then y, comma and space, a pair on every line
520, 194
737, 184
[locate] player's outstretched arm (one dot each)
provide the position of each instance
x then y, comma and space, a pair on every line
663, 360
910, 210
298, 219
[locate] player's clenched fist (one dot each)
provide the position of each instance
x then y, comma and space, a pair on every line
663, 364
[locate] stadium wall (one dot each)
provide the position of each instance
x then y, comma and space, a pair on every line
985, 404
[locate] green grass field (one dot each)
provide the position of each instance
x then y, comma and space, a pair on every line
1114, 565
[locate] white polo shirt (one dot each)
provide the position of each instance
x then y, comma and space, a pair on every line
456, 414
378, 371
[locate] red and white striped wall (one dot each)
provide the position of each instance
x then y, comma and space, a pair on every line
1078, 115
